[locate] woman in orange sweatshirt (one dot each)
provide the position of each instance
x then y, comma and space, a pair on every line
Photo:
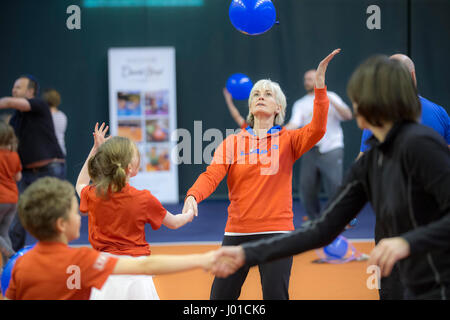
259, 162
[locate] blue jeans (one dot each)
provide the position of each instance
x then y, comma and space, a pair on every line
7, 214
391, 286
56, 169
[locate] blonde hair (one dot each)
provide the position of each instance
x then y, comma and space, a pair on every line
107, 168
42, 203
8, 138
280, 99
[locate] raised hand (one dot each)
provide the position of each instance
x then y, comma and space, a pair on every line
99, 139
322, 68
99, 135
228, 260
227, 95
190, 204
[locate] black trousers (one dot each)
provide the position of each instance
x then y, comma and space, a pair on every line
274, 275
435, 293
391, 287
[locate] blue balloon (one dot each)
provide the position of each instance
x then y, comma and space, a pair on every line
337, 249
239, 85
7, 271
252, 17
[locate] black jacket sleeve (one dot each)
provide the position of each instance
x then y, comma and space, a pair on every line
38, 105
340, 210
428, 160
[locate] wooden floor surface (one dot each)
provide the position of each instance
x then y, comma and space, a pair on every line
309, 281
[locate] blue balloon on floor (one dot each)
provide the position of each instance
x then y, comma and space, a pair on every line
337, 249
7, 271
239, 85
252, 17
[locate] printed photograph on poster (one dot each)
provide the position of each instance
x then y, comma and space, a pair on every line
157, 130
128, 103
142, 107
157, 103
142, 156
131, 129
157, 158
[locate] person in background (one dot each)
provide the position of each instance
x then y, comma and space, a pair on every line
10, 173
432, 115
324, 163
53, 99
234, 112
38, 149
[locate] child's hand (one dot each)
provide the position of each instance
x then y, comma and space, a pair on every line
190, 204
99, 135
208, 259
189, 215
227, 260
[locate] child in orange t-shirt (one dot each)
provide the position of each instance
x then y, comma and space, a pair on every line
52, 270
117, 212
10, 173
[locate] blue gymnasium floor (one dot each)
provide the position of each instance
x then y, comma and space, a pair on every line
210, 224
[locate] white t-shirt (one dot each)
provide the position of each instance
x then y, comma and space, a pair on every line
60, 123
302, 113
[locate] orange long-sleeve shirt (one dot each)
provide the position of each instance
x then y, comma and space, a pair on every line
260, 173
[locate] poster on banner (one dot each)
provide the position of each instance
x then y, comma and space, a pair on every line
142, 107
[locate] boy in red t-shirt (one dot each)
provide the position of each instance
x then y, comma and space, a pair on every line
52, 270
10, 173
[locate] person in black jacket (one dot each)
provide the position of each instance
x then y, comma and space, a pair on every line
406, 178
39, 151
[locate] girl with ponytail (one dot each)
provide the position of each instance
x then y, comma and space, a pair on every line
117, 212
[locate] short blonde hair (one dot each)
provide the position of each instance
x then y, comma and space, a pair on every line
42, 203
7, 136
280, 99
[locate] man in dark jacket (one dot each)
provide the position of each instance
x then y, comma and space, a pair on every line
39, 150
